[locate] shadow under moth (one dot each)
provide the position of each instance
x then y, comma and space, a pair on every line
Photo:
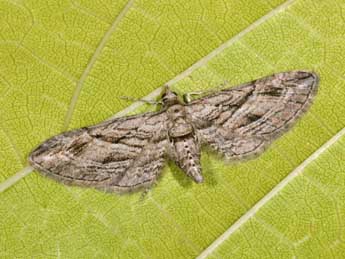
127, 153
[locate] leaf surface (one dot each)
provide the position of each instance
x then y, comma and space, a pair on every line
64, 64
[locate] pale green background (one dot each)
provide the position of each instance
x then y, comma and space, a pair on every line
54, 52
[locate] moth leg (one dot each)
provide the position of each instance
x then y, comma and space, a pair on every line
187, 97
128, 98
144, 193
147, 189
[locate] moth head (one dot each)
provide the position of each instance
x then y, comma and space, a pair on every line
169, 97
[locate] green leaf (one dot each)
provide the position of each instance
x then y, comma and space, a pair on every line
64, 65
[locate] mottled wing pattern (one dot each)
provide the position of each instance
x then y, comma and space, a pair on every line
117, 155
241, 121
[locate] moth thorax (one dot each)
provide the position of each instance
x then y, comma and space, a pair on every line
176, 111
180, 129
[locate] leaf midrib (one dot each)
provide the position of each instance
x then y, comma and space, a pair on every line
13, 179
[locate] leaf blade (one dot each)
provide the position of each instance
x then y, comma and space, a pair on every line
178, 219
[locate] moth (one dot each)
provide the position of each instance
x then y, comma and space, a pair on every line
127, 153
